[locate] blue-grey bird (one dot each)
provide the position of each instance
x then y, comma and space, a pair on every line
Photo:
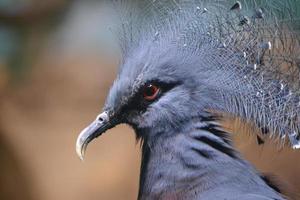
183, 61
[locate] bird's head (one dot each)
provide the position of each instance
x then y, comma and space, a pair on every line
181, 60
156, 91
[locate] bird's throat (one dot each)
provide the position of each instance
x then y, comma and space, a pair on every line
172, 166
191, 162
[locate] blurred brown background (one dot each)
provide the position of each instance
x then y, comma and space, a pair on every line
56, 66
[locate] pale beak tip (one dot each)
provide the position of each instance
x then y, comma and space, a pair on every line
80, 154
80, 150
81, 158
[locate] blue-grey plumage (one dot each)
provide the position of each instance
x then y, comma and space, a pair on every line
182, 59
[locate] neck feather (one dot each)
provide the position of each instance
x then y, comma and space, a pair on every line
194, 160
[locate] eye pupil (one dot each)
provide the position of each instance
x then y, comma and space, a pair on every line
150, 92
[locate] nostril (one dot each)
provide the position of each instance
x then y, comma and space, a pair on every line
100, 119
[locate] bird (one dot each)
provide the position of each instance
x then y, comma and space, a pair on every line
183, 61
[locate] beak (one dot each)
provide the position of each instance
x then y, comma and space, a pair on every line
101, 124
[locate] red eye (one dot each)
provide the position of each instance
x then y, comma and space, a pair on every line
151, 92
